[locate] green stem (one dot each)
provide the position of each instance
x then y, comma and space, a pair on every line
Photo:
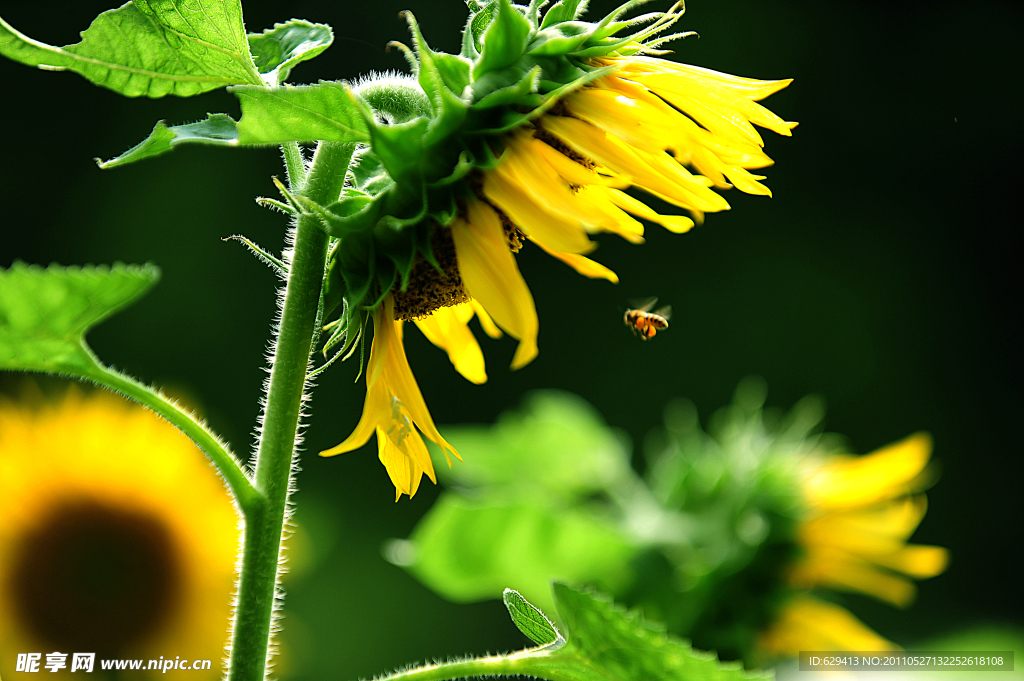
264, 522
528, 663
241, 487
294, 165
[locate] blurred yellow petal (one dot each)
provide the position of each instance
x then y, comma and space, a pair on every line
843, 571
447, 328
493, 279
917, 561
807, 623
859, 481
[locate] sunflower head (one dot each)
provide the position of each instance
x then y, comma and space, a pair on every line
531, 134
519, 106
116, 537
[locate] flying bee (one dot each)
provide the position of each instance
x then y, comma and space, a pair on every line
646, 324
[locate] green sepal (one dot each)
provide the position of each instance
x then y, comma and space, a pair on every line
512, 94
387, 275
369, 175
400, 149
565, 10
217, 129
504, 41
350, 215
46, 312
358, 260
399, 246
531, 621
443, 78
532, 12
513, 120
278, 50
444, 208
326, 111
140, 49
561, 39
334, 288
463, 167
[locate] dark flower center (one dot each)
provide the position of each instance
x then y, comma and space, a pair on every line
92, 577
429, 289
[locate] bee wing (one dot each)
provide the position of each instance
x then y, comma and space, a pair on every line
643, 304
665, 312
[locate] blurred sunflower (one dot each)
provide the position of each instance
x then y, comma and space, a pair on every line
116, 537
860, 511
531, 134
826, 521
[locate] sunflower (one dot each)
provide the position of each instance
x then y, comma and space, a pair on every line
532, 134
860, 513
116, 537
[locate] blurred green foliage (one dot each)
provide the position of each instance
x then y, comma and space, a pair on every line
701, 543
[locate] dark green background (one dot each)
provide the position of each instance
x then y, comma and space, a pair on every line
884, 275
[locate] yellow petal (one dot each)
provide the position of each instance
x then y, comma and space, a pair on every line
673, 223
397, 464
576, 173
486, 323
659, 174
492, 278
402, 384
525, 165
447, 329
511, 198
860, 481
376, 410
582, 264
749, 88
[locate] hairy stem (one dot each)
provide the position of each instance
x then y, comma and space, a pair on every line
238, 482
264, 522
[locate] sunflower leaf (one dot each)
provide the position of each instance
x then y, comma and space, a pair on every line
278, 50
151, 48
307, 113
217, 129
530, 620
46, 312
470, 549
604, 641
